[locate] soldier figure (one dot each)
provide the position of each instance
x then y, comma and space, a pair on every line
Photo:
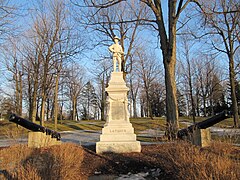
117, 51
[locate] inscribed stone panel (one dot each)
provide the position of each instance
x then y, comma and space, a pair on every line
117, 111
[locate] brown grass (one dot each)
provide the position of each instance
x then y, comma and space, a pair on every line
185, 161
56, 162
176, 160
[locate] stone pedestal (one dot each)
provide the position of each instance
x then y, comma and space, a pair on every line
118, 134
201, 137
39, 139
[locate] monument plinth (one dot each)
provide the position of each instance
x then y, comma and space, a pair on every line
118, 134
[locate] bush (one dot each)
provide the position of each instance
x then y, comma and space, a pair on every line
56, 162
185, 161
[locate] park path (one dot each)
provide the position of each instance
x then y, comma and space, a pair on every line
219, 131
81, 137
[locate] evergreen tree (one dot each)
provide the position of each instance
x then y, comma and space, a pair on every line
89, 102
157, 99
181, 103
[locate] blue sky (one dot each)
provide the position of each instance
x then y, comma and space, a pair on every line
24, 21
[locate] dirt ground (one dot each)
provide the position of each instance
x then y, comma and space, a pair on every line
156, 163
127, 163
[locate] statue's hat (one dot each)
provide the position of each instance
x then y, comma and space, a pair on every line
115, 37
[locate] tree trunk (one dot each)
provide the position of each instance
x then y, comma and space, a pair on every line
168, 47
191, 90
233, 92
48, 109
44, 92
56, 103
74, 109
34, 98
197, 102
204, 106
42, 115
134, 107
142, 108
171, 98
30, 97
20, 93
149, 109
61, 112
103, 100
15, 76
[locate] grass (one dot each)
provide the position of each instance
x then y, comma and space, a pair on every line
56, 162
191, 162
176, 160
233, 139
11, 130
139, 124
223, 124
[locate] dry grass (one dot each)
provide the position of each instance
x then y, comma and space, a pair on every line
56, 162
185, 161
11, 131
177, 160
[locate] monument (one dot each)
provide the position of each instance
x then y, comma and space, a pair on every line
117, 134
117, 51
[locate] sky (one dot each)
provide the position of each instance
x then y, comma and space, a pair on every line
87, 59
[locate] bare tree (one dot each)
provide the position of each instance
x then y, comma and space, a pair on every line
117, 20
147, 70
134, 85
188, 73
102, 75
168, 47
32, 67
222, 17
55, 42
14, 65
208, 83
74, 78
8, 14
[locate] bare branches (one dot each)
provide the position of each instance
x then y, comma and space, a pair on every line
181, 7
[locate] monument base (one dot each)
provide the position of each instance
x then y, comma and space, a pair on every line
199, 137
118, 147
118, 139
118, 134
39, 139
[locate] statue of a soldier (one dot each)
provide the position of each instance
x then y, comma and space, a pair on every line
117, 51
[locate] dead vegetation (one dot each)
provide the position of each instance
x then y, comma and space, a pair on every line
56, 162
177, 160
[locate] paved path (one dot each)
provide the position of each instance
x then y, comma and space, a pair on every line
90, 137
219, 131
81, 137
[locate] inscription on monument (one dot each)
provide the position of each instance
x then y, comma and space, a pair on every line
118, 130
117, 110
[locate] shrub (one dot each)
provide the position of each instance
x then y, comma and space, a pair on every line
56, 162
185, 161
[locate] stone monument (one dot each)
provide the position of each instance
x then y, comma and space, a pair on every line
117, 51
40, 139
117, 134
201, 137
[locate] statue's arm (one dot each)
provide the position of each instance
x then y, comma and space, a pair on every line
121, 50
111, 49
